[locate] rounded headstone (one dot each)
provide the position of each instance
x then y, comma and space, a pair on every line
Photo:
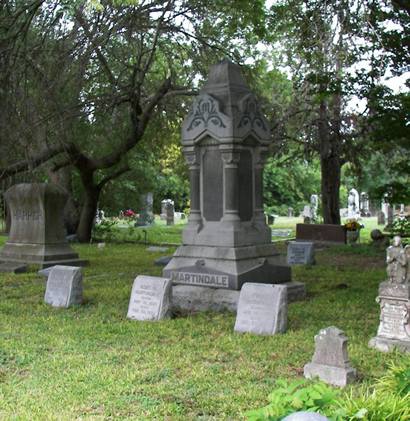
376, 235
305, 416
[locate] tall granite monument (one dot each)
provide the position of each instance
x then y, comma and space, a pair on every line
225, 141
37, 233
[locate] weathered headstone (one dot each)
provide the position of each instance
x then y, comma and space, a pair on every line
381, 219
390, 215
330, 361
290, 212
169, 212
262, 309
146, 215
364, 204
164, 204
314, 205
225, 141
301, 253
150, 298
64, 286
37, 234
394, 299
321, 233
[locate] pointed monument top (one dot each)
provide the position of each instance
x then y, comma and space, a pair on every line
225, 73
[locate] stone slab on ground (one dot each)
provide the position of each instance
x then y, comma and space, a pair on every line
157, 249
330, 361
150, 298
193, 298
262, 309
301, 253
12, 267
64, 286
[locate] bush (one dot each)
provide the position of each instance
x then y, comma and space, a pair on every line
401, 225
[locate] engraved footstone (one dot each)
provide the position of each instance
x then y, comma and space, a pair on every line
301, 253
262, 309
330, 361
150, 298
64, 286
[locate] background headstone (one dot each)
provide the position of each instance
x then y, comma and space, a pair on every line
321, 233
262, 309
330, 361
169, 212
353, 204
290, 212
64, 286
150, 298
146, 215
164, 204
381, 219
301, 253
37, 233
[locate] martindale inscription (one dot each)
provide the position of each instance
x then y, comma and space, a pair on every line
27, 215
220, 281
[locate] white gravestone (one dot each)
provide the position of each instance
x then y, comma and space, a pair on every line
301, 253
330, 361
150, 298
262, 309
64, 286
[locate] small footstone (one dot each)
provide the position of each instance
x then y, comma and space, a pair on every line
330, 361
262, 309
64, 286
150, 298
305, 416
163, 261
12, 267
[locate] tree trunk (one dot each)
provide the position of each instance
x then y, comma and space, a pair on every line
63, 178
331, 171
87, 214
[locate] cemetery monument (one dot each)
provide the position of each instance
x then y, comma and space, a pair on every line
37, 234
353, 204
225, 141
394, 299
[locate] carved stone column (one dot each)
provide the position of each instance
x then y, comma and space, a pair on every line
231, 185
195, 194
260, 159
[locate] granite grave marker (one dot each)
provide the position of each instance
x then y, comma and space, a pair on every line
64, 286
150, 298
262, 309
330, 361
301, 253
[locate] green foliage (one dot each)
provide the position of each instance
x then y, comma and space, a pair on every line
298, 395
396, 380
401, 225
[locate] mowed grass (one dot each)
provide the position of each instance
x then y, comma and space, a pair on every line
90, 362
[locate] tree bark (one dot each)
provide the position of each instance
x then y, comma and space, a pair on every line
87, 214
330, 183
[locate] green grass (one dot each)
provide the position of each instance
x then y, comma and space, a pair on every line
90, 362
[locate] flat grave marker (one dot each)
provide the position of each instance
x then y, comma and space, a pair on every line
300, 253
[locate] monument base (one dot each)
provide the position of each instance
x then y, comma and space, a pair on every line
227, 267
337, 376
388, 345
45, 255
196, 298
12, 267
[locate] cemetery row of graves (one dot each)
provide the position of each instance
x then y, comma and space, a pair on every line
223, 324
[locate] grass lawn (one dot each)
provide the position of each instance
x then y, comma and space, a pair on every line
90, 362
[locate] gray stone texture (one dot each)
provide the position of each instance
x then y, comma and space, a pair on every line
301, 253
321, 233
330, 361
196, 298
150, 298
262, 309
394, 328
64, 286
37, 234
225, 141
381, 218
305, 416
146, 215
12, 267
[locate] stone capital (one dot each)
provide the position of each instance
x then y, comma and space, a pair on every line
230, 158
192, 159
